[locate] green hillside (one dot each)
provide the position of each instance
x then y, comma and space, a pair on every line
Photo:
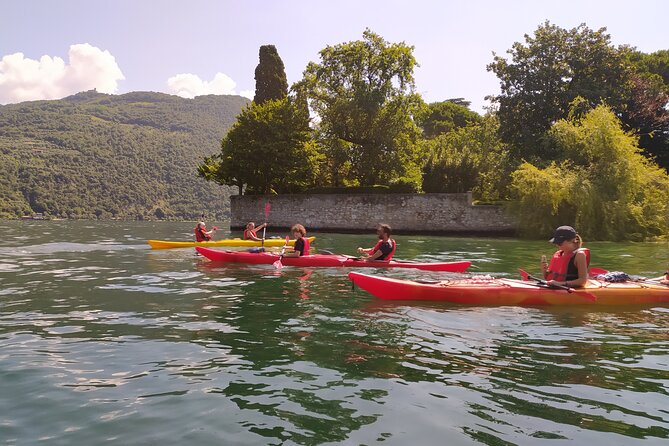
129, 156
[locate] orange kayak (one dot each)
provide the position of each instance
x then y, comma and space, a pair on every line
491, 291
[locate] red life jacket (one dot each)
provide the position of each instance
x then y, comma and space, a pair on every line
378, 246
247, 234
307, 246
563, 268
200, 235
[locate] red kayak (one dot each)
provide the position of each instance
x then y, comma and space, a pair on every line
490, 291
322, 260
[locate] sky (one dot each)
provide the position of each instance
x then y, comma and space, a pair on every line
50, 49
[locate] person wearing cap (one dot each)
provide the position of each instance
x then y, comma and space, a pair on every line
569, 264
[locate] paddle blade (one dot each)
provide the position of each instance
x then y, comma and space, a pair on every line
523, 274
594, 271
267, 207
278, 265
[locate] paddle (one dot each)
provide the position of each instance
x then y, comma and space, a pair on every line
267, 206
278, 265
526, 276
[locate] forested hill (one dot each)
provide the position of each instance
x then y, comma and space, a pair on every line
128, 156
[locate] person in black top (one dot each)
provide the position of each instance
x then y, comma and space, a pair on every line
301, 242
384, 248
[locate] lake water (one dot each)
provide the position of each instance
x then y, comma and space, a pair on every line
104, 341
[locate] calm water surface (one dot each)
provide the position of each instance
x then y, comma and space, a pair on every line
104, 341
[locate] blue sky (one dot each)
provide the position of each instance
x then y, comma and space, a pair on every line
193, 47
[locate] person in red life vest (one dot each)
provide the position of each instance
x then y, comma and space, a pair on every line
301, 247
250, 231
201, 233
384, 248
569, 264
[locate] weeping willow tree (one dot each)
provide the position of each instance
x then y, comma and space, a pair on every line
603, 186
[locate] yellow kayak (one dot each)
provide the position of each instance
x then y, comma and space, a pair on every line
166, 244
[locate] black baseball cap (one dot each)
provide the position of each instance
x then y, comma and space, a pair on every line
563, 233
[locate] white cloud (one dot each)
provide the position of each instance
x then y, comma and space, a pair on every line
188, 85
249, 94
23, 79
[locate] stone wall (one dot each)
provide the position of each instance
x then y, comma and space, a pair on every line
405, 213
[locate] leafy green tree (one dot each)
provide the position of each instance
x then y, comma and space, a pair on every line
271, 83
656, 63
268, 150
363, 94
647, 111
470, 158
446, 116
647, 114
605, 187
546, 74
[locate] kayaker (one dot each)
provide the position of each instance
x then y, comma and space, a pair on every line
569, 264
301, 247
384, 248
201, 233
250, 231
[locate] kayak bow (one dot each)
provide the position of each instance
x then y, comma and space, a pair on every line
321, 260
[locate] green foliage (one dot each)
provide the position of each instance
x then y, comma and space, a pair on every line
605, 187
446, 116
656, 63
267, 150
647, 111
271, 83
546, 74
93, 155
363, 93
470, 158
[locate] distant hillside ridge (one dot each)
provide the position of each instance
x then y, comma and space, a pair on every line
130, 156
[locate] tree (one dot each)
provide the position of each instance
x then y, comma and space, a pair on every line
270, 77
654, 63
605, 187
470, 158
268, 150
546, 74
363, 94
647, 111
443, 117
647, 114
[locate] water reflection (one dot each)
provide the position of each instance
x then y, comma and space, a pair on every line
137, 346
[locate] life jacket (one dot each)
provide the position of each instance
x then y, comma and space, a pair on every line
563, 268
248, 233
388, 257
200, 235
307, 246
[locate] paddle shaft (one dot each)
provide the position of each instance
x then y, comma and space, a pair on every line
267, 207
551, 285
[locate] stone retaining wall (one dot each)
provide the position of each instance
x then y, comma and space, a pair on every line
405, 213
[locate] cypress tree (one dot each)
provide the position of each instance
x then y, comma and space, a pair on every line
271, 80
